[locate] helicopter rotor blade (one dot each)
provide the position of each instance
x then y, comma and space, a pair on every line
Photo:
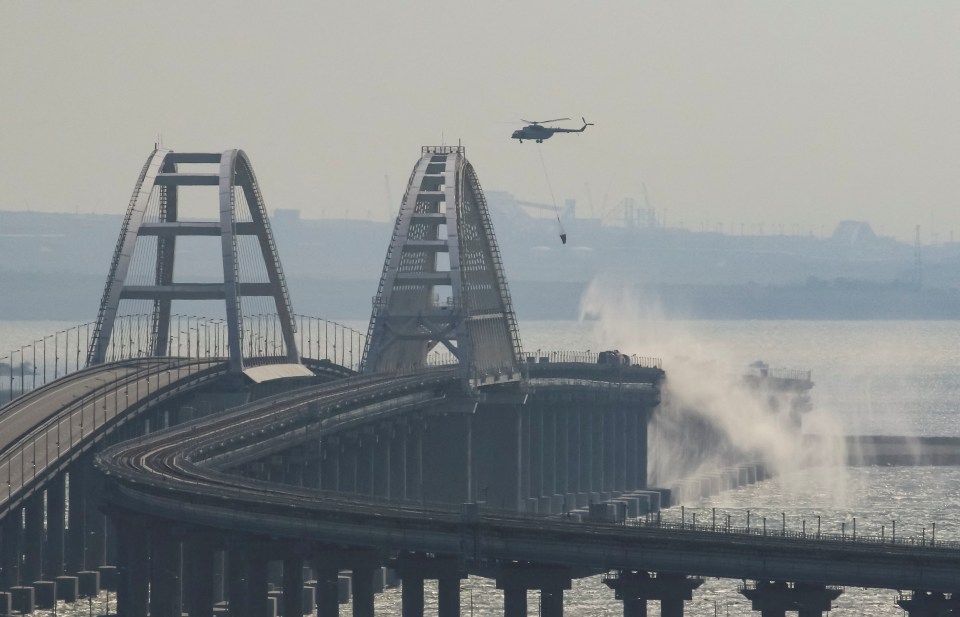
542, 121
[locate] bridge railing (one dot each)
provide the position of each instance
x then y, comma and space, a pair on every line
723, 527
46, 443
586, 357
64, 352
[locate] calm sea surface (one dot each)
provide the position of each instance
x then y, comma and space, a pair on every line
872, 377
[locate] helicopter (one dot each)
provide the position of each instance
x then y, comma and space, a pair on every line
537, 132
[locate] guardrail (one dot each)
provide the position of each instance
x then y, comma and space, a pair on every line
724, 527
50, 444
587, 357
65, 351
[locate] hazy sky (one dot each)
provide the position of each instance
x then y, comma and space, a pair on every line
735, 113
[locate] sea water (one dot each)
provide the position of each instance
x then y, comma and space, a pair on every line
871, 377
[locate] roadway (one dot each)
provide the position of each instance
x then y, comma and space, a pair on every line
45, 429
182, 475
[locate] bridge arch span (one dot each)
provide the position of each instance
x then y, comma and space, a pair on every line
151, 227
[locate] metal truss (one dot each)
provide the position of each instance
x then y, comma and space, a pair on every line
461, 303
154, 213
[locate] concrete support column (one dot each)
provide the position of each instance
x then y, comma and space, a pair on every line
313, 470
397, 462
630, 436
33, 539
95, 521
536, 454
549, 454
447, 459
329, 464
256, 585
403, 454
76, 521
365, 451
327, 588
643, 451
573, 453
413, 568
165, 574
448, 596
525, 462
514, 602
411, 595
349, 453
56, 511
516, 578
561, 458
12, 547
198, 583
381, 463
362, 585
133, 571
293, 586
414, 461
634, 607
551, 602
598, 452
291, 470
609, 451
586, 451
620, 450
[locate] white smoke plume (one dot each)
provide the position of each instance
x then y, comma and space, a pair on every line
709, 418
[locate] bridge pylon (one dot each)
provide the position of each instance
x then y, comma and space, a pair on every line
443, 284
143, 261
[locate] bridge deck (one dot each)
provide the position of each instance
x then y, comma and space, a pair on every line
172, 476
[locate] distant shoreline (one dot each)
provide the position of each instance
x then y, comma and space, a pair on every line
76, 298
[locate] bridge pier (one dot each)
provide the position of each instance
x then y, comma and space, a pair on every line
76, 519
56, 511
12, 547
165, 573
198, 591
397, 462
414, 460
516, 578
447, 458
365, 461
247, 577
33, 539
929, 604
382, 472
133, 566
95, 523
413, 568
536, 455
775, 598
573, 458
635, 588
498, 467
328, 591
330, 463
293, 584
